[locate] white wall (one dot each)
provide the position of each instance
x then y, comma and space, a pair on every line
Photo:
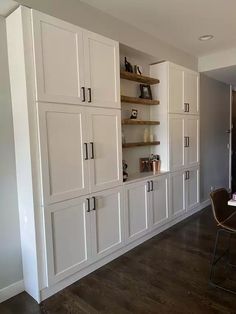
10, 256
214, 122
92, 19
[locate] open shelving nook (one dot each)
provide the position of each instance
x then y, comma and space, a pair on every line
133, 143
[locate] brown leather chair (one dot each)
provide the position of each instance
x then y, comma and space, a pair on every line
225, 216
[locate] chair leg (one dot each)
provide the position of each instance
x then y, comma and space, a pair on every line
216, 259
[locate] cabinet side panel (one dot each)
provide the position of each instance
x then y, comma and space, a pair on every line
22, 152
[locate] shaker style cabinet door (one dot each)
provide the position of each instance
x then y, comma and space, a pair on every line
160, 201
58, 51
176, 81
192, 193
102, 70
68, 238
104, 127
137, 204
191, 91
107, 220
191, 132
63, 152
177, 188
177, 142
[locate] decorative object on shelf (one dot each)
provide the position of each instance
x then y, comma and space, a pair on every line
145, 135
145, 164
134, 114
234, 196
155, 163
146, 92
138, 69
128, 66
125, 173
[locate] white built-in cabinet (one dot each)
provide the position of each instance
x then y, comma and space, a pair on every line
184, 191
75, 212
137, 210
177, 189
83, 230
147, 206
73, 65
183, 141
159, 201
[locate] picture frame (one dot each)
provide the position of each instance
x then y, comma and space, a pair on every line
146, 92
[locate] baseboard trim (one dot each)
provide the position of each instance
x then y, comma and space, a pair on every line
12, 290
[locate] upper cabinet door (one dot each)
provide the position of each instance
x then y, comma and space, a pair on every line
63, 153
58, 50
191, 91
176, 81
102, 70
192, 133
177, 149
104, 127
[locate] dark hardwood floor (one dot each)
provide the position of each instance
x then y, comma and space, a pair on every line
167, 274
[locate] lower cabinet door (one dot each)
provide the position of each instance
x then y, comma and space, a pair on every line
68, 239
159, 201
136, 210
177, 184
192, 192
107, 222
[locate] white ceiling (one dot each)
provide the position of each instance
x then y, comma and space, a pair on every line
225, 75
7, 6
179, 22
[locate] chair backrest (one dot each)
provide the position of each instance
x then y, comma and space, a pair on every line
219, 201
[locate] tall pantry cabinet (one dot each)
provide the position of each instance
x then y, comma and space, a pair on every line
65, 89
178, 92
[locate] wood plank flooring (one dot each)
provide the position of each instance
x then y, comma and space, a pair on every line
167, 274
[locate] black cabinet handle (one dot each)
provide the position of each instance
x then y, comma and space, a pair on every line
148, 186
185, 141
186, 175
188, 141
86, 151
151, 185
88, 203
89, 95
83, 93
92, 150
94, 203
186, 107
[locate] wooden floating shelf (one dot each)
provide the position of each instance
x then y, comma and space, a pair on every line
138, 144
139, 101
138, 78
139, 122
